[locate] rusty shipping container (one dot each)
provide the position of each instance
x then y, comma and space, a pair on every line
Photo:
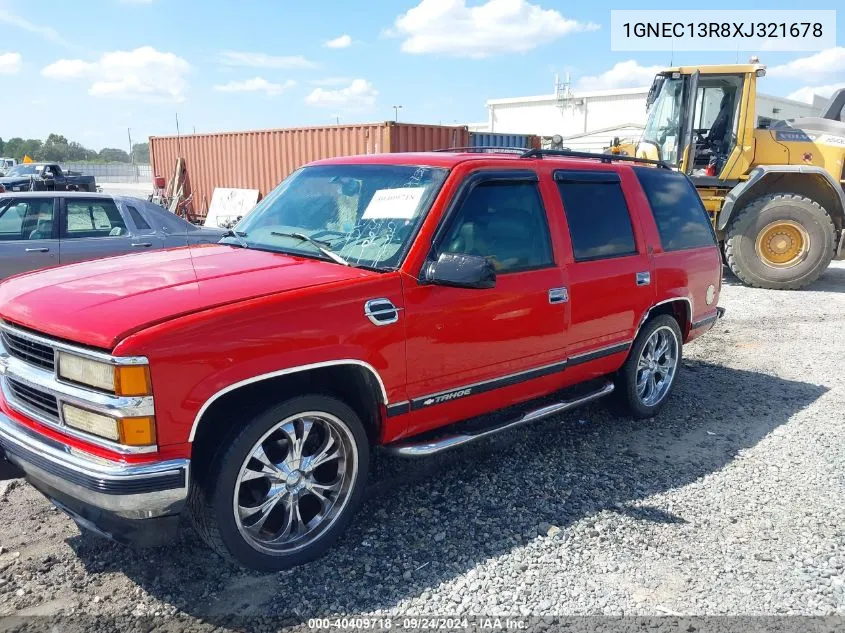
260, 159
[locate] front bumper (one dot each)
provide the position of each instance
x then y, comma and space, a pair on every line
127, 502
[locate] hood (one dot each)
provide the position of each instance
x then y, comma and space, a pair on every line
7, 181
98, 303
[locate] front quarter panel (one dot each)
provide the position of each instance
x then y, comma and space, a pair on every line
195, 357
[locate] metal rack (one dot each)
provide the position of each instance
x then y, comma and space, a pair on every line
540, 153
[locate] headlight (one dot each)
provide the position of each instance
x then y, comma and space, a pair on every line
128, 431
123, 380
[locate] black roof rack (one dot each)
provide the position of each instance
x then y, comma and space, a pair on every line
486, 149
605, 158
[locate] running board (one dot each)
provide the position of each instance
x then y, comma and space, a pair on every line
424, 448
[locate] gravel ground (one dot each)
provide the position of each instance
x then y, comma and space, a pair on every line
729, 502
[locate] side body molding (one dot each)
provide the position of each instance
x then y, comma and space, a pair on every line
285, 372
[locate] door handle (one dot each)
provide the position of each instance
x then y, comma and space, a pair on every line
644, 278
558, 295
42, 249
142, 244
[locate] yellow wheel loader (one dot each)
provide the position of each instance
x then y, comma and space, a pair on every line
775, 194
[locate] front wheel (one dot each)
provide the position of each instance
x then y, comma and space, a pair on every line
646, 379
286, 487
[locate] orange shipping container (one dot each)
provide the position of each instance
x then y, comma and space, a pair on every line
261, 159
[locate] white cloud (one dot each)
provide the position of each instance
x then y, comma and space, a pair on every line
344, 41
821, 67
330, 81
497, 26
627, 74
358, 95
45, 32
145, 73
262, 60
10, 63
257, 84
806, 93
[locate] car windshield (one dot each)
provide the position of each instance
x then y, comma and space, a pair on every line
366, 214
22, 170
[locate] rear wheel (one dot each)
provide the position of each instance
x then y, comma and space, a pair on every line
646, 379
285, 488
781, 241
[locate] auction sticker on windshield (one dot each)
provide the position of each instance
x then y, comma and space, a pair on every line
394, 204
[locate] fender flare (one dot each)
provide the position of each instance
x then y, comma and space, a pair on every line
759, 173
283, 372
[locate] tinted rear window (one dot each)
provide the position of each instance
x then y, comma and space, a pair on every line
597, 215
681, 218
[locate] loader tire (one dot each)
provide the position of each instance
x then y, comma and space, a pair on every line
781, 241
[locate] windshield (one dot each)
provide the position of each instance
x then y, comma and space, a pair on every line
366, 214
21, 170
664, 120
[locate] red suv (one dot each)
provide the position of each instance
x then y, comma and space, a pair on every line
394, 301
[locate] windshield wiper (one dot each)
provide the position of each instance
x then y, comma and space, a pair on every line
318, 244
238, 236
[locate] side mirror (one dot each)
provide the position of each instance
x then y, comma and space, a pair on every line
461, 271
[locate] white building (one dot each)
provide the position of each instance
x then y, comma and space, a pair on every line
588, 121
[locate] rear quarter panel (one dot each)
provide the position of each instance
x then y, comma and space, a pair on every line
681, 274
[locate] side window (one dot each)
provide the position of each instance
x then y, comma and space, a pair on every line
678, 212
29, 219
138, 219
503, 221
597, 215
92, 218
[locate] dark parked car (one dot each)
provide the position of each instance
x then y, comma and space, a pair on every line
90, 225
45, 177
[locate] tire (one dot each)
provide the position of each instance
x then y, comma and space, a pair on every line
214, 499
802, 219
629, 395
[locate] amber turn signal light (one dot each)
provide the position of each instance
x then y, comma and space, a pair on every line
137, 431
132, 380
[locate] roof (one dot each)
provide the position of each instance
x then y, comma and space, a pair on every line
448, 160
716, 69
60, 194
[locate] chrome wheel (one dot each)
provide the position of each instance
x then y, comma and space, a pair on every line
295, 482
656, 366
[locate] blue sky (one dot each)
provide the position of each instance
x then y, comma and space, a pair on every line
94, 68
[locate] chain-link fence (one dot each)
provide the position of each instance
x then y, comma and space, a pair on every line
113, 172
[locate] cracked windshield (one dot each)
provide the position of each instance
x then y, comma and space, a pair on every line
366, 214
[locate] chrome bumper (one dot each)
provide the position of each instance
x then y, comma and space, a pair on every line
126, 491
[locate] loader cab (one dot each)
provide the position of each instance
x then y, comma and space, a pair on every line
698, 118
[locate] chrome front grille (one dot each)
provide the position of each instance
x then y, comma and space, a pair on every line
33, 398
29, 351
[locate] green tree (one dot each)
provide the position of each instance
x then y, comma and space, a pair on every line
111, 154
141, 153
55, 149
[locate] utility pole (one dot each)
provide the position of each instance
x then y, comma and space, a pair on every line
131, 154
396, 109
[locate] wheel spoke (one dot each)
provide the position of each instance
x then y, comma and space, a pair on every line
328, 451
662, 348
299, 443
268, 467
263, 510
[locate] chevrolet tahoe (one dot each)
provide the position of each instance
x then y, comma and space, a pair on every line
410, 302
